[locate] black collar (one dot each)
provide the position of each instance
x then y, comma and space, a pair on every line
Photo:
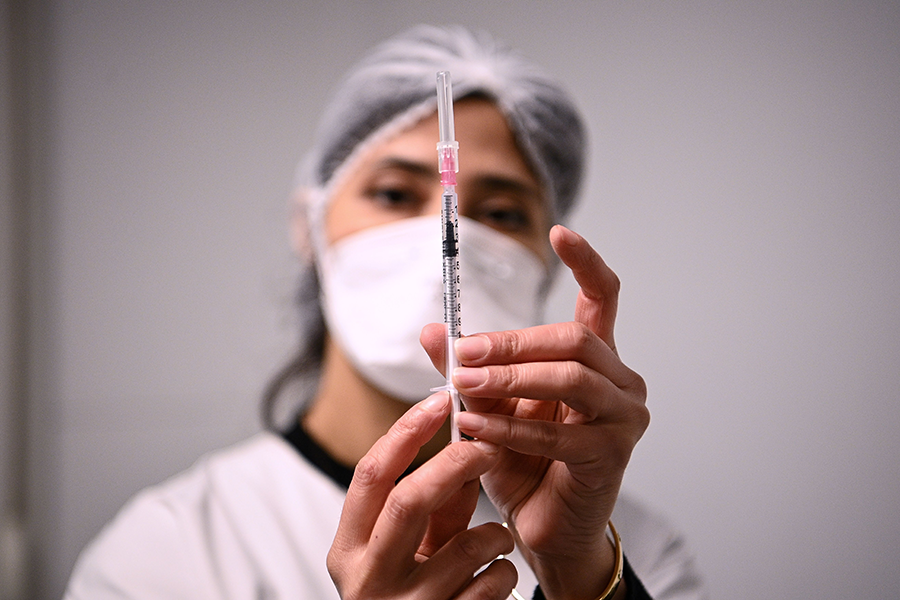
340, 473
297, 437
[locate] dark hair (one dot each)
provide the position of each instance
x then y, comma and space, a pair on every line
304, 367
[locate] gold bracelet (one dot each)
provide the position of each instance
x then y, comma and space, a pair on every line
610, 590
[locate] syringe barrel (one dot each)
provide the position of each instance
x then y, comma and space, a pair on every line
448, 166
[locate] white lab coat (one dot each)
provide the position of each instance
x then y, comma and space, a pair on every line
256, 520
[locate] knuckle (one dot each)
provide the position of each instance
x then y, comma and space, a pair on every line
404, 427
580, 338
544, 434
614, 282
458, 455
636, 385
578, 376
468, 549
503, 379
402, 506
341, 563
643, 418
334, 564
512, 377
367, 471
640, 384
511, 343
581, 335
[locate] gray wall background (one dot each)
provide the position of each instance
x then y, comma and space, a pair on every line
744, 184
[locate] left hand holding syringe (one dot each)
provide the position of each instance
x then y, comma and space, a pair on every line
409, 537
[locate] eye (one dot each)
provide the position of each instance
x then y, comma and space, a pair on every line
396, 198
506, 218
391, 196
504, 214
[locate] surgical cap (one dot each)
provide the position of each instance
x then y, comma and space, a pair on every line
395, 86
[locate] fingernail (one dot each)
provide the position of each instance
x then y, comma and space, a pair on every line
435, 402
470, 422
472, 347
468, 377
567, 236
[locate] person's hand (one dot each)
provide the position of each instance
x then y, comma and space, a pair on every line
567, 413
411, 539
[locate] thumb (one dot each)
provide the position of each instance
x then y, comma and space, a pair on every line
434, 339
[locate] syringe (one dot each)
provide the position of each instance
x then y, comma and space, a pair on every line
448, 165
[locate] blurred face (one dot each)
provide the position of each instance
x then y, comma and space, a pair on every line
399, 179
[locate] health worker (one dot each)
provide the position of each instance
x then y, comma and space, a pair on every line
360, 496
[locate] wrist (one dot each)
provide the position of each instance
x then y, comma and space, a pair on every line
593, 575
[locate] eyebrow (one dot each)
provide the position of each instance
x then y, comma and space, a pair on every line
509, 184
411, 166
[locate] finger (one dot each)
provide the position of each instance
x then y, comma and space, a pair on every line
573, 444
569, 382
599, 296
379, 469
496, 582
434, 339
452, 518
453, 566
401, 526
570, 341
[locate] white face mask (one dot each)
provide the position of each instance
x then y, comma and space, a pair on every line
380, 286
